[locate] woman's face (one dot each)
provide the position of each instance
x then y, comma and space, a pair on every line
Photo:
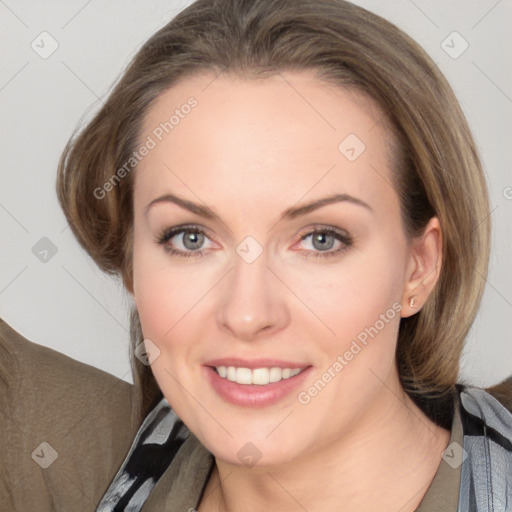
227, 264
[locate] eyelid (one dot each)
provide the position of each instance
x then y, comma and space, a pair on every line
176, 230
341, 235
308, 230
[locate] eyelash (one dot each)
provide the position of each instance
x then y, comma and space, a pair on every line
167, 234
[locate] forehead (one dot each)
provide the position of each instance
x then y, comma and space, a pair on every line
285, 135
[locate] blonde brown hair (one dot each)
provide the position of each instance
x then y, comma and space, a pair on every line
436, 167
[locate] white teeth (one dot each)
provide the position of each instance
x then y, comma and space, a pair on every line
243, 376
275, 374
231, 373
259, 376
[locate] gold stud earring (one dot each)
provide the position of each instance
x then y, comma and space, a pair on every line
412, 302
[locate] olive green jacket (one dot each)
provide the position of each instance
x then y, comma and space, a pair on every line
59, 454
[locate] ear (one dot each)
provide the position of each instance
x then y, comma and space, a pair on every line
423, 268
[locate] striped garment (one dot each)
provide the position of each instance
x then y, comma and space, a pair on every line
486, 472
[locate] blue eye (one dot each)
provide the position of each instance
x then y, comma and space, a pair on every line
323, 239
192, 239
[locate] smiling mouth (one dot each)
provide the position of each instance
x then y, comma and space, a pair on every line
256, 376
256, 387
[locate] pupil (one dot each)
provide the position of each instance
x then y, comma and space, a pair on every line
320, 237
194, 239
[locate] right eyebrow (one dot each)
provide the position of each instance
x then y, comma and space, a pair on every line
203, 211
289, 214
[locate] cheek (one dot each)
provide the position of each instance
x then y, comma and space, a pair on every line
156, 297
352, 294
357, 304
168, 294
163, 299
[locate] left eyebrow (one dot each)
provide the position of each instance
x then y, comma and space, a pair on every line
298, 211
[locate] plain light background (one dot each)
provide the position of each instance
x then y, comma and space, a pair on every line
65, 302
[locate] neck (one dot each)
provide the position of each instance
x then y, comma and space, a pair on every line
387, 460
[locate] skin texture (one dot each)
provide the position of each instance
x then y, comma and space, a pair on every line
249, 150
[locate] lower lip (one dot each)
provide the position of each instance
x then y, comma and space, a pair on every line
254, 395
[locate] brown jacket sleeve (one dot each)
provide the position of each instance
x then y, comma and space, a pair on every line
65, 428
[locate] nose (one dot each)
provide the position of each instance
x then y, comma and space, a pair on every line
253, 302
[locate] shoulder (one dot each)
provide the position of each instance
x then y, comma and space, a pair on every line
478, 403
65, 427
52, 381
162, 445
502, 392
486, 477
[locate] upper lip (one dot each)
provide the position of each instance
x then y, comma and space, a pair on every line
255, 363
